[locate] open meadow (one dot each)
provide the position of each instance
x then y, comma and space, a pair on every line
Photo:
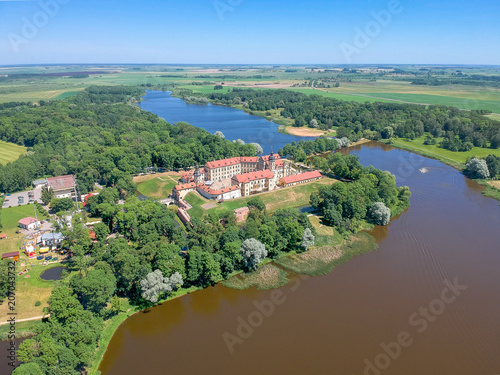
10, 152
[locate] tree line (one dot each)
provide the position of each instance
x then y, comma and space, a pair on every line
461, 130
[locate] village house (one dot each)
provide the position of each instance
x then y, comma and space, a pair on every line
51, 239
29, 223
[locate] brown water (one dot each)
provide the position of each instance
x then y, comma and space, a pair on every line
332, 324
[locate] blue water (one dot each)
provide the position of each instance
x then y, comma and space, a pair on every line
234, 123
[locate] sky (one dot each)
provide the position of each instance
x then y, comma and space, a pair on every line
250, 32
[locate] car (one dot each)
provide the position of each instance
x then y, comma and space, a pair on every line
40, 257
48, 257
55, 258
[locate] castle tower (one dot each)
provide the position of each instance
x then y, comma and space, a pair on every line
197, 175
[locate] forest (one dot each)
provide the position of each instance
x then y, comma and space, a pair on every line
461, 129
96, 135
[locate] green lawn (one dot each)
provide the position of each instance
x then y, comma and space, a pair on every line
156, 188
434, 150
10, 152
10, 217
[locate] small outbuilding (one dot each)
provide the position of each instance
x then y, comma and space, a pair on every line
29, 223
30, 250
13, 255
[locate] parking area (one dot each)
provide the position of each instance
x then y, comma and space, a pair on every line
12, 200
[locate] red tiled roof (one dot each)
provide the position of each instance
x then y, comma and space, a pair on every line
217, 192
251, 176
27, 221
302, 177
191, 172
61, 182
266, 157
249, 159
180, 187
223, 162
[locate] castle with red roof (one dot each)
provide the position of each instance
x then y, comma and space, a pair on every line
240, 177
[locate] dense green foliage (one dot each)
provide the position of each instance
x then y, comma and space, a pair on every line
95, 135
483, 168
345, 206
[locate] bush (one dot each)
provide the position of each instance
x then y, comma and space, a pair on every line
37, 303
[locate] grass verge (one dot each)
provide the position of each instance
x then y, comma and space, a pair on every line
322, 260
265, 277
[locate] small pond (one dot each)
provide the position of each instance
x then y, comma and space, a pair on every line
53, 273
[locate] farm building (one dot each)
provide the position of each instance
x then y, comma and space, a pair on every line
62, 186
29, 223
13, 255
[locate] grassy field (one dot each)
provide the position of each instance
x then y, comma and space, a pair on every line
494, 116
446, 156
29, 291
463, 103
10, 217
322, 259
10, 152
338, 95
295, 196
266, 276
158, 187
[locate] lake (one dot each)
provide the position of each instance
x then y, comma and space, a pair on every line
426, 302
235, 124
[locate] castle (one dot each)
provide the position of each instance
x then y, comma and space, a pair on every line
240, 177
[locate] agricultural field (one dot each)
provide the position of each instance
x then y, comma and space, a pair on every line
365, 85
10, 152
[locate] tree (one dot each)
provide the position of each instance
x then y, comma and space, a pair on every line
47, 195
116, 304
61, 204
220, 134
258, 148
313, 123
380, 213
95, 289
256, 202
477, 168
253, 252
28, 369
154, 285
307, 239
101, 231
493, 162
4, 279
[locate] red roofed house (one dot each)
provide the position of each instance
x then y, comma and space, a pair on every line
62, 186
230, 192
301, 178
29, 223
